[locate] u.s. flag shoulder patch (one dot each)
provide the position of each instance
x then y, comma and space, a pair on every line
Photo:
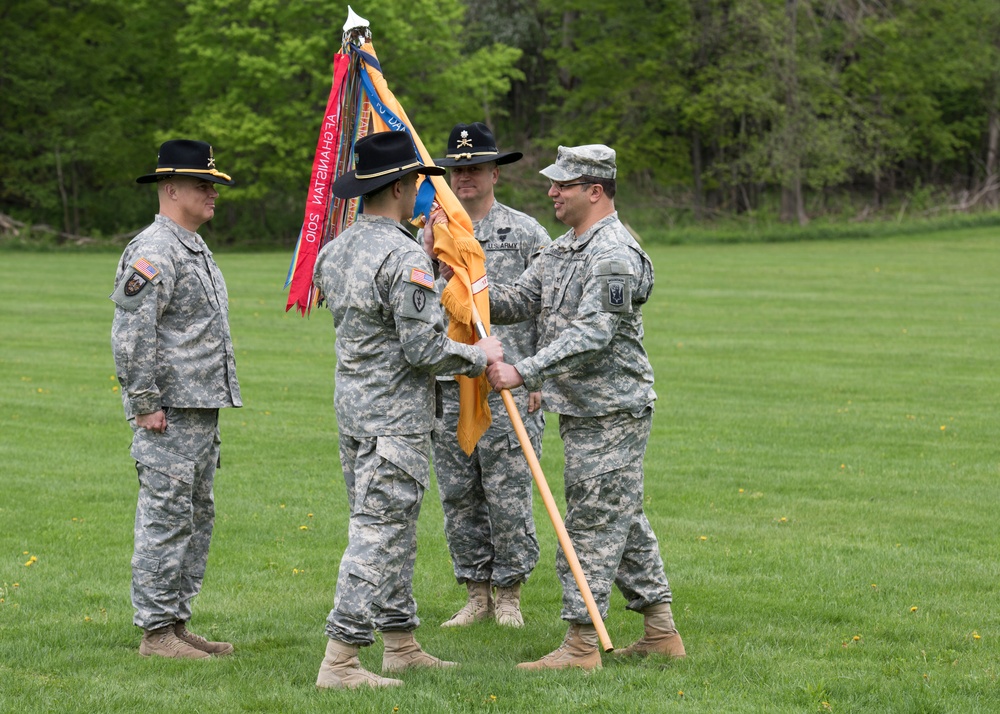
422, 277
146, 269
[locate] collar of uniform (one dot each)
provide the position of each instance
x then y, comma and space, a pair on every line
581, 241
482, 236
190, 240
383, 220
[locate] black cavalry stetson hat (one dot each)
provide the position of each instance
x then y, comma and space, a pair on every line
474, 144
186, 157
380, 159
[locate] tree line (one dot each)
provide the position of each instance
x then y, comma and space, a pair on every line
716, 107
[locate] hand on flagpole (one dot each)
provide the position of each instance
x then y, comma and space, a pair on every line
503, 376
493, 349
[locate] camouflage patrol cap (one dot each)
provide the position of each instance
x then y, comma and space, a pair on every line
572, 162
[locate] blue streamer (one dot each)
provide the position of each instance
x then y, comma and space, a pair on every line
426, 194
425, 198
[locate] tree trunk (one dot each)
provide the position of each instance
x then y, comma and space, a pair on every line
699, 196
992, 196
566, 79
792, 204
62, 195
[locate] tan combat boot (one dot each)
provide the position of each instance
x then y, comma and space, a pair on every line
341, 669
402, 651
200, 643
163, 642
479, 606
579, 649
508, 606
661, 637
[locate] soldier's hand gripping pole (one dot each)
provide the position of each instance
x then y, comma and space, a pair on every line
550, 503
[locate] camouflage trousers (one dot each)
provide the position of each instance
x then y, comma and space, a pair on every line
604, 517
386, 477
486, 497
175, 514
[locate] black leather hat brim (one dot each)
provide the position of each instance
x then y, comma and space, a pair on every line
508, 157
153, 178
348, 186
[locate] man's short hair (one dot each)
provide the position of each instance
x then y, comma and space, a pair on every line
380, 190
608, 184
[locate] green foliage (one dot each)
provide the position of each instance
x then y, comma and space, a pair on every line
82, 90
715, 104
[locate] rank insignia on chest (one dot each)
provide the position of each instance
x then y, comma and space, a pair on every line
422, 277
146, 269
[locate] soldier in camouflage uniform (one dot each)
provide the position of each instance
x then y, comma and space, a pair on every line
379, 285
174, 360
587, 290
486, 496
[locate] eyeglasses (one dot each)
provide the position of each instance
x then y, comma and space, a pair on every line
560, 187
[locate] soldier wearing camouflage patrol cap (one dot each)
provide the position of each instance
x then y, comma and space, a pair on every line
379, 286
587, 290
175, 362
486, 495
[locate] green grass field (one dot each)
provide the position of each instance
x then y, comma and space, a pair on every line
822, 477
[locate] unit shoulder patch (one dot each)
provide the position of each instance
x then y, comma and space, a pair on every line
418, 291
131, 290
616, 285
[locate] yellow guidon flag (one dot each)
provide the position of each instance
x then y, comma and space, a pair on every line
456, 245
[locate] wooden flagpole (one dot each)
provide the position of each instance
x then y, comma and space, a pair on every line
550, 503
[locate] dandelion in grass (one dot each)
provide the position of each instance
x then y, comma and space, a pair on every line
913, 609
874, 586
31, 561
943, 427
16, 585
86, 619
975, 635
856, 638
303, 528
703, 538
680, 693
309, 515
741, 490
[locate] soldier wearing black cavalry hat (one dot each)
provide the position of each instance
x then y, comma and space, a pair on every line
379, 285
486, 496
174, 360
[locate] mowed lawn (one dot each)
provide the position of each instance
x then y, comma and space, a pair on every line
822, 475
